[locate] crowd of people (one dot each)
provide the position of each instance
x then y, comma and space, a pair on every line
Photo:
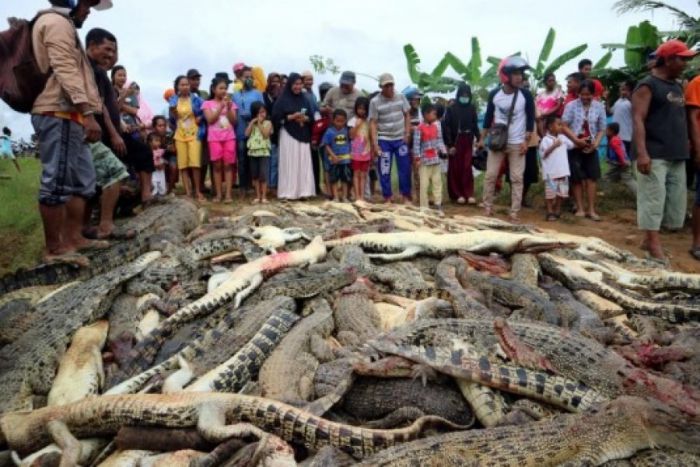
286, 141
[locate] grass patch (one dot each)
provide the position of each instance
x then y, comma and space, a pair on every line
21, 234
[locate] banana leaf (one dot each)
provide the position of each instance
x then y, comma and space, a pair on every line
633, 59
441, 68
458, 65
475, 62
565, 57
413, 62
545, 52
603, 62
649, 35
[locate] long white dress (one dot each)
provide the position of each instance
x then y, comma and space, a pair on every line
296, 175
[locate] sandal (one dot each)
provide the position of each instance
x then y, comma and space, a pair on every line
74, 259
552, 218
95, 245
695, 252
118, 233
593, 217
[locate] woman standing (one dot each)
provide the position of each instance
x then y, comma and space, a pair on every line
584, 125
461, 128
186, 110
292, 113
549, 101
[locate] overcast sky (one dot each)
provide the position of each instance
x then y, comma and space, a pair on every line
159, 39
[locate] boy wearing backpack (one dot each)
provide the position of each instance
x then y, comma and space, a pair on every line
63, 116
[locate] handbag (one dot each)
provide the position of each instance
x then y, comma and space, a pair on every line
479, 159
498, 133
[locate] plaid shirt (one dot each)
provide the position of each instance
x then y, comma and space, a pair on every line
428, 143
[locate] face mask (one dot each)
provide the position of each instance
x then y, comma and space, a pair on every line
249, 83
465, 100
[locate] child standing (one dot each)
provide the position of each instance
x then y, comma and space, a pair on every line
554, 149
317, 131
220, 113
360, 147
337, 147
259, 144
160, 186
618, 159
6, 147
428, 147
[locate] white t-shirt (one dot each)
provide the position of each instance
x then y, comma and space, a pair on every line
518, 125
622, 115
556, 165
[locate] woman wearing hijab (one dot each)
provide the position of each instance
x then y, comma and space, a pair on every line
461, 129
292, 114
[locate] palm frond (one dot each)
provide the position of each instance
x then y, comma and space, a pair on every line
626, 6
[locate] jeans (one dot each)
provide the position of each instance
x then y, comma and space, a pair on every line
390, 150
274, 166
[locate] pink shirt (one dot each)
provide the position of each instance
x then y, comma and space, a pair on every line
546, 102
221, 130
158, 157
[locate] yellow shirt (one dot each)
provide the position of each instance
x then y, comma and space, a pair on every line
187, 128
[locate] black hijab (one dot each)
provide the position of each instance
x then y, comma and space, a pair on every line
461, 117
289, 103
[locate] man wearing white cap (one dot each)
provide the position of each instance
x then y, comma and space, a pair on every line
63, 117
390, 127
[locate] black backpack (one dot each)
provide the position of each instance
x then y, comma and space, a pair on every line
21, 80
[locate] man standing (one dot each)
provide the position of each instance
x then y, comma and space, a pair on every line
520, 125
244, 99
622, 115
692, 100
343, 96
390, 128
661, 145
585, 67
63, 117
308, 80
109, 170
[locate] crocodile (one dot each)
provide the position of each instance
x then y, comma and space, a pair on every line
405, 245
571, 354
574, 276
240, 285
80, 373
236, 372
305, 286
219, 243
657, 280
356, 319
178, 215
203, 352
466, 302
616, 430
576, 315
288, 373
525, 269
217, 417
530, 304
461, 361
28, 365
271, 238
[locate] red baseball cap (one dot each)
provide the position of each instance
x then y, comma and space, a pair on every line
674, 48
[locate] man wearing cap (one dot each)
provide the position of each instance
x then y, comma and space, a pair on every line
343, 96
661, 145
390, 127
63, 117
244, 99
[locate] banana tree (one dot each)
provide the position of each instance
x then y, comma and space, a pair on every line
689, 25
472, 74
542, 68
641, 40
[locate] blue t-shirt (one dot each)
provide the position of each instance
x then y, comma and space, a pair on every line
244, 100
6, 146
339, 142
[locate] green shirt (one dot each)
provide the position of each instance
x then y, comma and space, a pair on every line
258, 144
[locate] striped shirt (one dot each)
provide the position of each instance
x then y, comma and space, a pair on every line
390, 116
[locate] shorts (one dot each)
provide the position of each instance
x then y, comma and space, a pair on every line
556, 187
327, 166
360, 166
662, 196
108, 168
7, 155
189, 154
341, 173
223, 150
259, 167
138, 155
66, 162
583, 166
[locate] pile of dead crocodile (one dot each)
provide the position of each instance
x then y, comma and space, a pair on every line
343, 334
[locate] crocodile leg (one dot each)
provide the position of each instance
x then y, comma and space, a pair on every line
408, 253
178, 380
66, 441
396, 418
212, 425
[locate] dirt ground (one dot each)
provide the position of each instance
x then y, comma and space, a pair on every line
617, 227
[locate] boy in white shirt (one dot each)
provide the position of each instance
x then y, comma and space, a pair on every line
555, 166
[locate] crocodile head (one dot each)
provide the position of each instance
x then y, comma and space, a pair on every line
666, 426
